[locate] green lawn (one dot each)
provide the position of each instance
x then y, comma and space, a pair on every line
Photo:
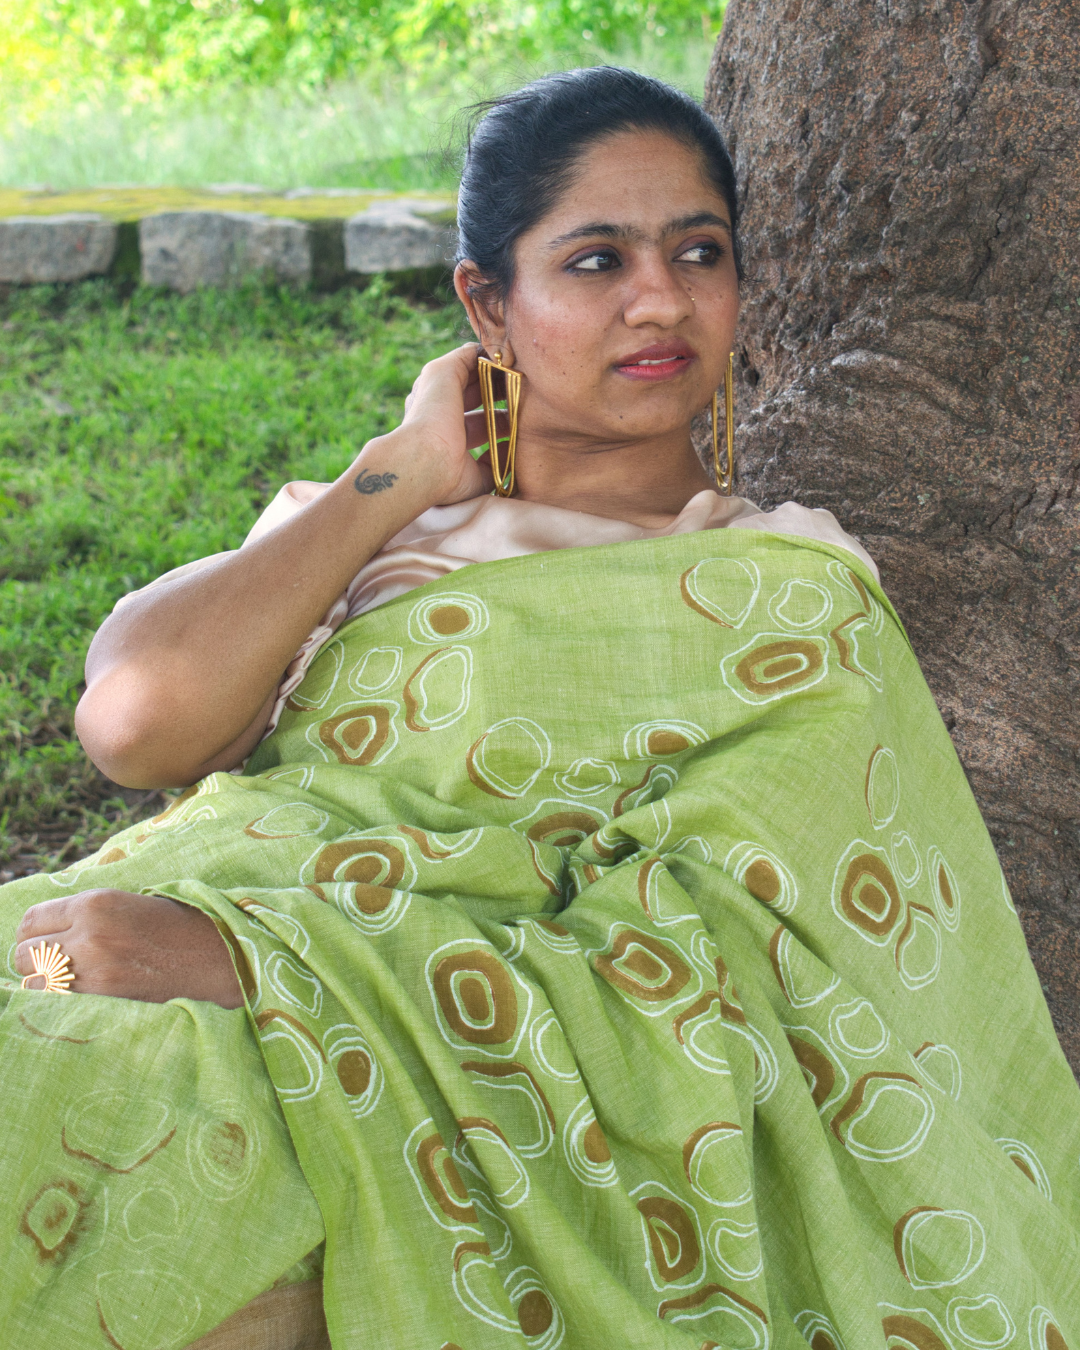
139, 430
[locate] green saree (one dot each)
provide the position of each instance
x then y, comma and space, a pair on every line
627, 964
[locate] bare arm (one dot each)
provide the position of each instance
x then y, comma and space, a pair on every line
181, 679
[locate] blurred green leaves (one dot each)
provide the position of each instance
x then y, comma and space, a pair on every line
158, 46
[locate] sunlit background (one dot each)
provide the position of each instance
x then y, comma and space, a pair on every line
295, 92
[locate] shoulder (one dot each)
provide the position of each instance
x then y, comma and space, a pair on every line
812, 522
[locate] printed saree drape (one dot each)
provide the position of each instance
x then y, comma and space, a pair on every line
627, 964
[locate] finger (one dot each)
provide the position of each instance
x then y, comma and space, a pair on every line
49, 916
471, 394
463, 361
487, 478
24, 961
476, 428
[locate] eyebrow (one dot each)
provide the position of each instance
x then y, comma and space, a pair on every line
606, 230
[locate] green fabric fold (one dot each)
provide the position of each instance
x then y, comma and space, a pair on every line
630, 965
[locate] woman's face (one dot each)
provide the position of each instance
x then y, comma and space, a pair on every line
625, 299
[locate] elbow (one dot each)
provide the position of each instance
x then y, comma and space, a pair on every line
128, 730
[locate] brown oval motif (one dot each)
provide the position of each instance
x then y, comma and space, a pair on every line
226, 1146
564, 829
822, 1341
661, 742
645, 872
473, 995
869, 896
855, 1100
622, 800
424, 844
464, 1249
898, 1233
648, 961
354, 1073
774, 958
451, 1194
702, 1296
688, 599
475, 776
944, 889
552, 927
817, 1069
356, 736
447, 620
911, 1332
1053, 1338
244, 973
779, 665
486, 995
595, 1145
535, 1313
730, 1007
690, 1147
412, 703
366, 861
672, 1238
701, 1005
762, 880
264, 1019
54, 1218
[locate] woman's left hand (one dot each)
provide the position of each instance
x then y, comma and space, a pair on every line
133, 946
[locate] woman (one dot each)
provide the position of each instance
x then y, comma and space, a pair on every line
615, 924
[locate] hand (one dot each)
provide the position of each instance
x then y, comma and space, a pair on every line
133, 946
445, 406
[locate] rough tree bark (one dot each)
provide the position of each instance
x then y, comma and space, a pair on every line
910, 358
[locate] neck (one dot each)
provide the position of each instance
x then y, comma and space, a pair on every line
645, 482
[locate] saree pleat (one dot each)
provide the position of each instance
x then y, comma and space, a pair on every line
626, 962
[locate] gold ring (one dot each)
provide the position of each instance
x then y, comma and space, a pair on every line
53, 966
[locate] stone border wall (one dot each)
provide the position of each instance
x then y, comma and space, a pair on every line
185, 249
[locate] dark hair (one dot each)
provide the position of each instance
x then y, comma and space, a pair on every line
521, 154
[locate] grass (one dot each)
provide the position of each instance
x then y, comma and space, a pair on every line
139, 430
375, 130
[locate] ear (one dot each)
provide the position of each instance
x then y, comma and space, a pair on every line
486, 316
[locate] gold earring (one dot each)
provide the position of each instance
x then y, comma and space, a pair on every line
725, 480
504, 474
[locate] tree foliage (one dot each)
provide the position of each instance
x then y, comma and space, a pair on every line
48, 46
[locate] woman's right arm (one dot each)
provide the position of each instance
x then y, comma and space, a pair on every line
182, 677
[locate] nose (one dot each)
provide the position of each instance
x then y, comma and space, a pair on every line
658, 294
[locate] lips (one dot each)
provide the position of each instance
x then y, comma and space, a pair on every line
660, 361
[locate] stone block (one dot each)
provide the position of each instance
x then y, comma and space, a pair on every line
41, 249
391, 236
184, 250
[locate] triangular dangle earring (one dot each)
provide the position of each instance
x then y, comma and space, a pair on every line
725, 477
504, 473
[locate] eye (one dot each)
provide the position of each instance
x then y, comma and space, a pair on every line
702, 254
602, 260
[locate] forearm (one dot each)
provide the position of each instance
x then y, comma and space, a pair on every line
182, 672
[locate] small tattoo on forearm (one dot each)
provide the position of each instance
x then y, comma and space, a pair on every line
368, 483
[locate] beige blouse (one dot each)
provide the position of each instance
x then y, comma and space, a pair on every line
486, 529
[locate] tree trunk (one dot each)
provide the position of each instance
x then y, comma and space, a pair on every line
909, 357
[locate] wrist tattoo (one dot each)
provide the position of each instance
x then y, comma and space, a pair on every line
368, 483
